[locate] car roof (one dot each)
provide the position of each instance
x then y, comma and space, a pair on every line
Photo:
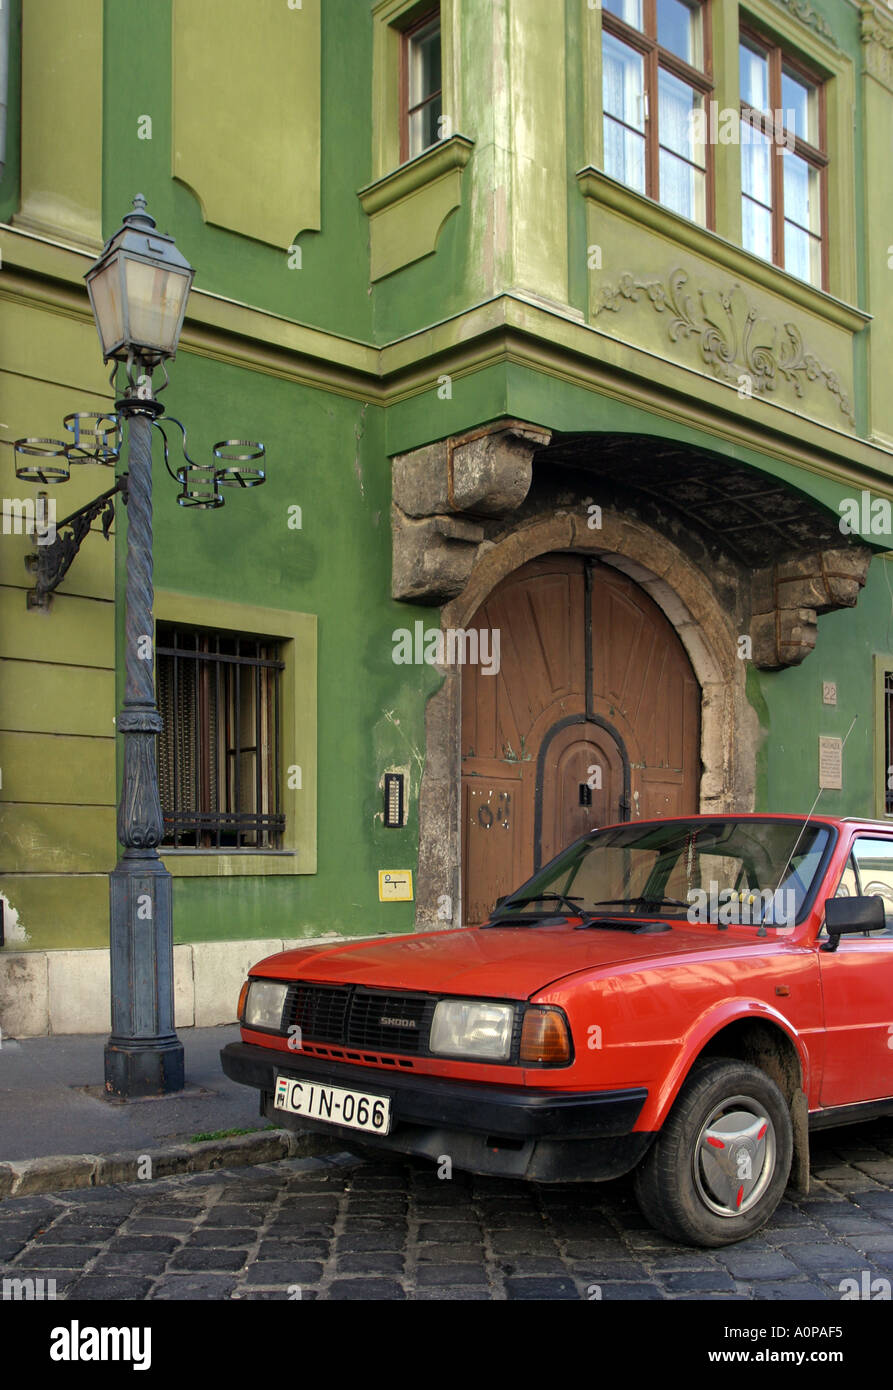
864, 821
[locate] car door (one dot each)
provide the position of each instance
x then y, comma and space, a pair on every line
857, 988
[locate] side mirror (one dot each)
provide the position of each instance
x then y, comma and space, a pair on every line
850, 915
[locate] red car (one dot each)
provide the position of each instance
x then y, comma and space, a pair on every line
684, 998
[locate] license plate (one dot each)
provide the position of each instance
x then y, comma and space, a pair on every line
353, 1109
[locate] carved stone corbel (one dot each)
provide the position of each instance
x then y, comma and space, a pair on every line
442, 493
788, 598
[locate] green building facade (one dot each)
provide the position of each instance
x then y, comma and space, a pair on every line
509, 345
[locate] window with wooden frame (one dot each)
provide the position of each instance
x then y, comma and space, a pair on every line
656, 82
784, 161
218, 751
421, 86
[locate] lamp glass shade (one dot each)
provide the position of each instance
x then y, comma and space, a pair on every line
156, 301
108, 306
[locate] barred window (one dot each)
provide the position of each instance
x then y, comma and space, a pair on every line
218, 752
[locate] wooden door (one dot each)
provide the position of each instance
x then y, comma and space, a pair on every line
593, 717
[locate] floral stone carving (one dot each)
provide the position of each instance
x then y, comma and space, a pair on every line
735, 342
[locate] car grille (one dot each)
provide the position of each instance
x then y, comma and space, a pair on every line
361, 1018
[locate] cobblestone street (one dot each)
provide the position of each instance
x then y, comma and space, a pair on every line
350, 1229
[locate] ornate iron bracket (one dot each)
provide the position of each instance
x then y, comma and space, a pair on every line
51, 563
97, 439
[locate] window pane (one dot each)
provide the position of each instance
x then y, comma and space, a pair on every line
679, 29
802, 254
628, 10
800, 103
622, 82
624, 155
424, 63
683, 188
875, 861
423, 127
802, 193
677, 102
754, 75
756, 164
756, 229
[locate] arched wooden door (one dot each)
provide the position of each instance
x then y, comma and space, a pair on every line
593, 717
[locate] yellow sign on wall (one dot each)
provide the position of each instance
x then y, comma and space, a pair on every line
395, 885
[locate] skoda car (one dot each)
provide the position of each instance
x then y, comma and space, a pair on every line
685, 999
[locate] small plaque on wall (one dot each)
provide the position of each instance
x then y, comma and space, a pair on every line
395, 885
831, 763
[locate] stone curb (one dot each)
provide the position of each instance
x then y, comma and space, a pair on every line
65, 1171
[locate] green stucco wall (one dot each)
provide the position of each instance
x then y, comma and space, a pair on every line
795, 716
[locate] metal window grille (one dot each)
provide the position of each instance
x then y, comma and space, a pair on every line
218, 754
888, 740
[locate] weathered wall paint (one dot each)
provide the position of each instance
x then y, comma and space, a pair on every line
57, 738
61, 123
258, 70
796, 715
329, 453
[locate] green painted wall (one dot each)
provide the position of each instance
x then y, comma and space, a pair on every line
9, 184
795, 715
331, 288
57, 681
327, 456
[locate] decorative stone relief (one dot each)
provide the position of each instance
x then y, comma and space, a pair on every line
441, 493
735, 342
803, 11
788, 598
877, 43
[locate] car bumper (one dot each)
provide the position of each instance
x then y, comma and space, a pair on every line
524, 1132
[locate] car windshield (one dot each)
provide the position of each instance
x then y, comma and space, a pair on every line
723, 871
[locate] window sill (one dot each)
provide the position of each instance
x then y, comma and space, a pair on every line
598, 187
408, 207
212, 863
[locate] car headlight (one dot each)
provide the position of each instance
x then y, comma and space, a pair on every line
469, 1028
264, 1004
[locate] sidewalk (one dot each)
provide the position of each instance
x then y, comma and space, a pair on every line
57, 1130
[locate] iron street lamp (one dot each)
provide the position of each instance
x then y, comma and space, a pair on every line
138, 291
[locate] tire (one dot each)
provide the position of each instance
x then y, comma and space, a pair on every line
720, 1165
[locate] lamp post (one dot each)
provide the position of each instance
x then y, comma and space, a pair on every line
138, 290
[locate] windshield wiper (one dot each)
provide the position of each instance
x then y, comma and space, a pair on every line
641, 902
503, 918
545, 898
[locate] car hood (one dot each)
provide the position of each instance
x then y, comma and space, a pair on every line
504, 963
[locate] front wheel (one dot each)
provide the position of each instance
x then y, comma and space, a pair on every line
720, 1165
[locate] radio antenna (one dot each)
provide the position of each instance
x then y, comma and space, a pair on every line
762, 931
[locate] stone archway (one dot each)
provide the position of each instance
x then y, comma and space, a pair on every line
741, 564
729, 727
